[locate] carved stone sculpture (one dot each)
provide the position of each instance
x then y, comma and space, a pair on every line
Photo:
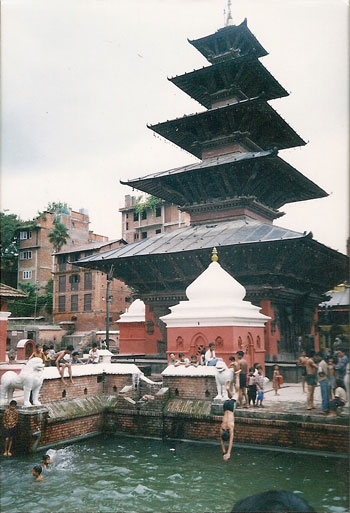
222, 376
29, 380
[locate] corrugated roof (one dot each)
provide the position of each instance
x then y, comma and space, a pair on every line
7, 291
338, 298
87, 247
240, 231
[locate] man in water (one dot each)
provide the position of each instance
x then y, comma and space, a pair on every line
46, 461
37, 473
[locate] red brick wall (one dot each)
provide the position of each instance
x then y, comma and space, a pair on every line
61, 430
52, 389
201, 387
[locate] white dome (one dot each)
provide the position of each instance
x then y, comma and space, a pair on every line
215, 298
215, 284
135, 313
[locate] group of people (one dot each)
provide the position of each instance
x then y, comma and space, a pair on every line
206, 357
37, 470
329, 373
65, 358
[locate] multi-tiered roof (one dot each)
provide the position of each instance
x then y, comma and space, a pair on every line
235, 190
237, 138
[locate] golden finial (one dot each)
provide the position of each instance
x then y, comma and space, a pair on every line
214, 255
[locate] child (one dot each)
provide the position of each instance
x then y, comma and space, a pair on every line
172, 359
194, 361
38, 352
202, 356
331, 377
339, 398
61, 363
276, 380
75, 358
10, 421
251, 386
46, 461
37, 472
94, 354
182, 360
259, 379
46, 356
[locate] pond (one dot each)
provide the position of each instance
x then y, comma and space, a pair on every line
122, 474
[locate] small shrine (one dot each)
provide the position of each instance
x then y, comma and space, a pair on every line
216, 312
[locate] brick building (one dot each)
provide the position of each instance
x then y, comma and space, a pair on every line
164, 218
80, 294
35, 259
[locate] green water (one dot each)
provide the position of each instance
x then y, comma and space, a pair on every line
137, 475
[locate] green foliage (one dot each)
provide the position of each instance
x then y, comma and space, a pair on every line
54, 207
31, 305
58, 235
150, 203
10, 226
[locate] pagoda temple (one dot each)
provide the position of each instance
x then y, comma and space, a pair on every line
233, 195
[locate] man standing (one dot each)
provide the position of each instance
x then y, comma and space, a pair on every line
341, 365
322, 375
311, 378
243, 365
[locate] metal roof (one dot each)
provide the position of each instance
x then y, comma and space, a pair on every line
89, 246
338, 298
262, 174
202, 236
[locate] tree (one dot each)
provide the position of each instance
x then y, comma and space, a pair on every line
32, 305
10, 225
58, 235
151, 203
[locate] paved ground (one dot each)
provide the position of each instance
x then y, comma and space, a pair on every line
291, 399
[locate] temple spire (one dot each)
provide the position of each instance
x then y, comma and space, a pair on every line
228, 20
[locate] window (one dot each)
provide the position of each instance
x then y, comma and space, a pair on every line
87, 302
144, 214
144, 235
127, 216
61, 303
74, 281
74, 303
158, 231
61, 284
25, 255
136, 216
136, 236
87, 281
27, 275
62, 262
158, 211
126, 226
25, 235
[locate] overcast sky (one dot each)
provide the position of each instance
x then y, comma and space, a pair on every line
82, 78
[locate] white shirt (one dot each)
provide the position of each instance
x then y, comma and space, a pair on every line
340, 394
208, 356
94, 355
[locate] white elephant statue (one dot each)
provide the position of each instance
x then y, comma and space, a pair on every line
222, 376
29, 380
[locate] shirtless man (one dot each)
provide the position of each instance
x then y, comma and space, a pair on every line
61, 363
311, 367
227, 427
243, 365
301, 363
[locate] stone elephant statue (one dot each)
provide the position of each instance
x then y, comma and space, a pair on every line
29, 380
222, 376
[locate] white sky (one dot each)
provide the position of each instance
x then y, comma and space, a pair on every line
82, 78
